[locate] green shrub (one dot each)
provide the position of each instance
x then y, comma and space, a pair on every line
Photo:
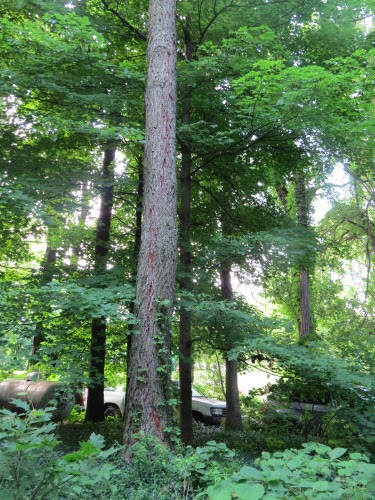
30, 468
35, 465
158, 473
154, 473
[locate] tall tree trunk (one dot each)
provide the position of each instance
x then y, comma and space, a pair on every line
95, 394
185, 342
304, 322
233, 419
149, 358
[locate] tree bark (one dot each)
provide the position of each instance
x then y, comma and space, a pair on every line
149, 358
304, 323
233, 420
138, 213
95, 393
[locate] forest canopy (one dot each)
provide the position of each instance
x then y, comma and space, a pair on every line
129, 209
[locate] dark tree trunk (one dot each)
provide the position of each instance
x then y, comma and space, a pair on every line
233, 419
304, 322
147, 408
95, 396
185, 342
47, 271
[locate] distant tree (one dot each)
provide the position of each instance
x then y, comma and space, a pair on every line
95, 398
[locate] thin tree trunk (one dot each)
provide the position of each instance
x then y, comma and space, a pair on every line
47, 271
304, 322
233, 419
185, 342
148, 387
95, 393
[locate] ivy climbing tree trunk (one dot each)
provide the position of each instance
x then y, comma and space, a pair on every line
149, 357
95, 394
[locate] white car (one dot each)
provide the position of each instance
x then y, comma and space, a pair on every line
205, 410
114, 402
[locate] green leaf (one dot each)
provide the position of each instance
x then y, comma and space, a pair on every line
220, 491
337, 452
87, 449
97, 440
321, 485
246, 491
250, 473
19, 403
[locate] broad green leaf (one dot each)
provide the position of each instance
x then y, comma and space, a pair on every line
337, 452
247, 491
249, 473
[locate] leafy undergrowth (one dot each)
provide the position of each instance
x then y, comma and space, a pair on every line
315, 472
40, 460
70, 435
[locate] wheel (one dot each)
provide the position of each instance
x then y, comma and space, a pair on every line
198, 417
112, 411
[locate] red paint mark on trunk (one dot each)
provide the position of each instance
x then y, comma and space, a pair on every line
156, 421
151, 257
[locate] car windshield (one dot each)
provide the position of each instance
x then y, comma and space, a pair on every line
195, 393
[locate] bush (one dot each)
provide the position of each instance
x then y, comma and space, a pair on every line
30, 468
34, 465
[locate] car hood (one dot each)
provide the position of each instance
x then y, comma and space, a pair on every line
213, 403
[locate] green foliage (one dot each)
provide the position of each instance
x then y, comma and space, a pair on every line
154, 472
89, 300
34, 465
271, 92
314, 472
26, 442
313, 360
30, 468
209, 463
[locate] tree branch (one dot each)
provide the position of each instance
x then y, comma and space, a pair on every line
137, 33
